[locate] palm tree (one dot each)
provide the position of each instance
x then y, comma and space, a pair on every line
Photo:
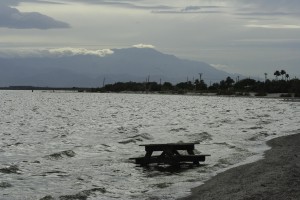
276, 73
287, 76
229, 81
265, 76
282, 72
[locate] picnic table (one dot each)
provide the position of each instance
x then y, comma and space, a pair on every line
170, 154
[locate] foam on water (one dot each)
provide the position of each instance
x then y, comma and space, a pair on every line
61, 145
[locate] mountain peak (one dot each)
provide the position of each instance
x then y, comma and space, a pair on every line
136, 50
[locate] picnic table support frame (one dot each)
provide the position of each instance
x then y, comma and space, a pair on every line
170, 154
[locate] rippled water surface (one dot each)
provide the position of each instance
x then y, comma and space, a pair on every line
63, 145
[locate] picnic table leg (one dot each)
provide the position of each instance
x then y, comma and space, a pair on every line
147, 157
170, 155
175, 152
191, 152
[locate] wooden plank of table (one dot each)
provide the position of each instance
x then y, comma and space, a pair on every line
167, 147
171, 160
170, 144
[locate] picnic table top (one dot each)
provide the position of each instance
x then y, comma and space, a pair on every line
170, 144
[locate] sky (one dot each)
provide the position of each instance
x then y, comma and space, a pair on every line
238, 36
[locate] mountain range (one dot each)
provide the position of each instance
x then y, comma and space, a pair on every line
87, 70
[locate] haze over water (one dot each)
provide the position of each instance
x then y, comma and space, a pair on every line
63, 143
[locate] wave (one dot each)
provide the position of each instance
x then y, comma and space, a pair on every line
200, 137
13, 169
137, 138
60, 155
80, 195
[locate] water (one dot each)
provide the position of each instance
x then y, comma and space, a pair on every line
61, 144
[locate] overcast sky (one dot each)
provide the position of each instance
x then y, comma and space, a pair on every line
250, 37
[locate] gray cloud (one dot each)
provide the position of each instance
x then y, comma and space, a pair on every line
265, 7
272, 4
243, 7
17, 2
170, 8
268, 7
192, 9
184, 12
154, 7
131, 5
9, 2
264, 13
271, 43
134, 4
13, 18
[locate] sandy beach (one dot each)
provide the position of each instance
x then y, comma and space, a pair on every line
277, 176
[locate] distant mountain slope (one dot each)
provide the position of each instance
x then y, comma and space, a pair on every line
132, 64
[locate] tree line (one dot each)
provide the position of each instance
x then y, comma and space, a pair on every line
228, 86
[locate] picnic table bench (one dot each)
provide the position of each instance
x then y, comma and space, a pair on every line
170, 154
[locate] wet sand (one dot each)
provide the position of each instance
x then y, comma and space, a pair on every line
275, 177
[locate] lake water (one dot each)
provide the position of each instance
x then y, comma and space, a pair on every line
63, 144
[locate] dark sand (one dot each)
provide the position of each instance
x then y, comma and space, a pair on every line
277, 177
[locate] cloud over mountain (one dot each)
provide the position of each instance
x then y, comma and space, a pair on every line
58, 52
143, 46
79, 51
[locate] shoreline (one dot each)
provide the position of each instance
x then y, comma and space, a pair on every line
276, 176
276, 95
252, 94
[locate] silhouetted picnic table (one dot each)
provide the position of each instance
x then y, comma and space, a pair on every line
170, 154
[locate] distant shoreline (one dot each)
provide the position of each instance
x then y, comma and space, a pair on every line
277, 176
91, 90
41, 88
